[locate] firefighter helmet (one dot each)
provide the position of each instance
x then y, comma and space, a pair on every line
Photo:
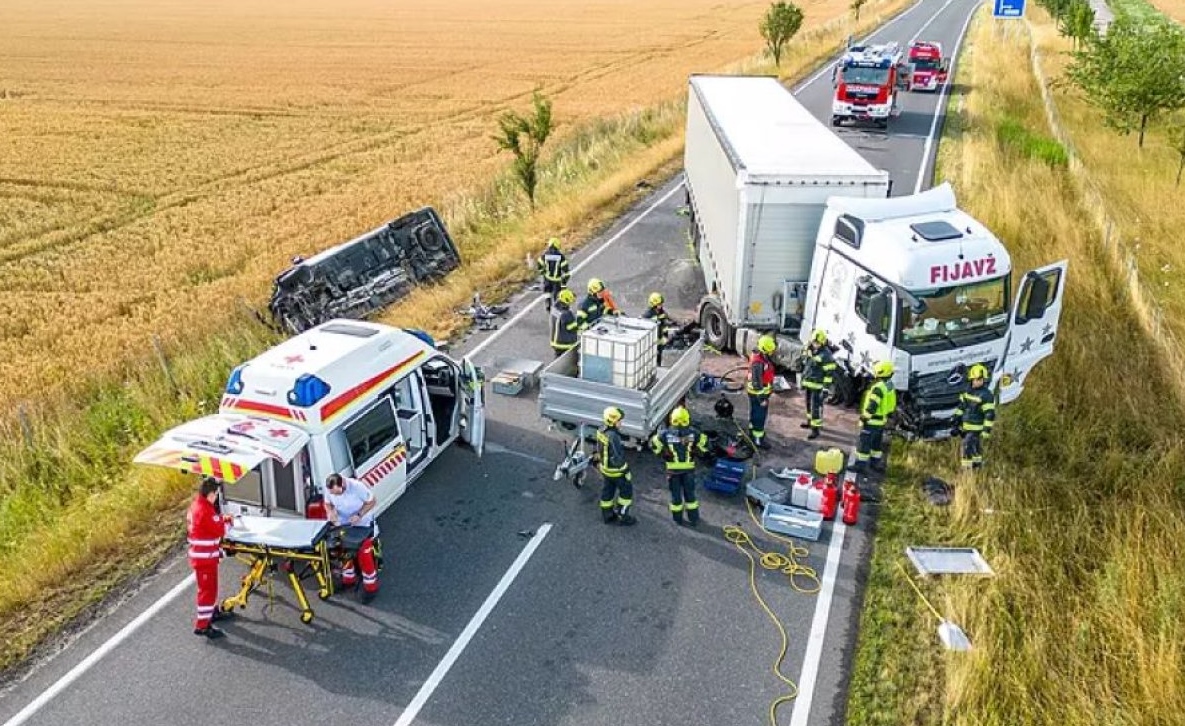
978, 372
595, 285
655, 299
566, 296
680, 417
554, 243
613, 415
882, 369
766, 344
819, 336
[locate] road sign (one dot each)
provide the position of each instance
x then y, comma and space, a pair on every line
1008, 8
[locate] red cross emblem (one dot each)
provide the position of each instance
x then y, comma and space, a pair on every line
290, 359
278, 433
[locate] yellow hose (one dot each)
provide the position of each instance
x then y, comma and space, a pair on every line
786, 563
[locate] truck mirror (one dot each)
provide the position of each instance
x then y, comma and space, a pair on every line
1038, 298
878, 315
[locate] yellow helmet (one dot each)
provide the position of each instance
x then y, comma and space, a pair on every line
766, 344
655, 299
882, 369
978, 372
819, 336
595, 285
680, 417
554, 242
566, 296
612, 415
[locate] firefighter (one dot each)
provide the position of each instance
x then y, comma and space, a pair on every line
677, 446
759, 387
975, 417
553, 268
656, 312
597, 304
880, 401
617, 493
350, 503
564, 327
816, 376
205, 527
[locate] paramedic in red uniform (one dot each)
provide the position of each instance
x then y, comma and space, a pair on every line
350, 503
205, 527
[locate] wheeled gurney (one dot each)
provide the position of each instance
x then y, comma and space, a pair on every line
301, 546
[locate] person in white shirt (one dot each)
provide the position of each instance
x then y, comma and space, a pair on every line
351, 503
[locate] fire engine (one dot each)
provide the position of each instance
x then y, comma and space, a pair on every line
928, 67
866, 80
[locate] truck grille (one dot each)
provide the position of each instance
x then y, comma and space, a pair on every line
940, 391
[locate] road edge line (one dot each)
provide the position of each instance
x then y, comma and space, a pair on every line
814, 647
940, 108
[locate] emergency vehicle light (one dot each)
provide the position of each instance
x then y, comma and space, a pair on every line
307, 390
234, 385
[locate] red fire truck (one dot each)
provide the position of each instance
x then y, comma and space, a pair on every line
929, 67
867, 79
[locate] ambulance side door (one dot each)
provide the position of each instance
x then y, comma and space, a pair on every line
472, 383
376, 450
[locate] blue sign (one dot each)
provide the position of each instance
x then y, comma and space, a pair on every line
1008, 8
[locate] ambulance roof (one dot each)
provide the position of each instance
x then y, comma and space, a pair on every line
922, 241
325, 373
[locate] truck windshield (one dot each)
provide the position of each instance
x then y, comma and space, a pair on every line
926, 64
956, 313
867, 76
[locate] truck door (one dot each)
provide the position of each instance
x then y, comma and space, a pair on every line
1035, 315
474, 432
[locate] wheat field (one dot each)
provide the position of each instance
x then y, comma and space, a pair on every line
161, 161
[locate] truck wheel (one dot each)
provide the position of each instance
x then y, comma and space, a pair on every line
717, 331
835, 120
842, 391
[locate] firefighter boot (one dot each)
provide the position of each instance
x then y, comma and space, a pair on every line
814, 434
678, 517
625, 518
878, 465
609, 515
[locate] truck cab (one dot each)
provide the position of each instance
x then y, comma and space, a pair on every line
361, 399
867, 80
928, 67
921, 283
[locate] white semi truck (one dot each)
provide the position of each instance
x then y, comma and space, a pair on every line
795, 231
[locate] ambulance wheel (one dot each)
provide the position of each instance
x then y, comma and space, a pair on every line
323, 593
306, 617
717, 331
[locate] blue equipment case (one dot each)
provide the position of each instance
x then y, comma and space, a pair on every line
726, 476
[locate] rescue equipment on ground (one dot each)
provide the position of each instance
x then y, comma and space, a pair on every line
829, 461
951, 635
792, 521
830, 497
851, 500
301, 547
726, 476
765, 491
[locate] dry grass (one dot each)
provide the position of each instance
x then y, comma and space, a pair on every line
67, 496
164, 159
1081, 510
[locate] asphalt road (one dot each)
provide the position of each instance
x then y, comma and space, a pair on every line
587, 624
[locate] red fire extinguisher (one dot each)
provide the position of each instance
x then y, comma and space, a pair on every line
830, 498
851, 503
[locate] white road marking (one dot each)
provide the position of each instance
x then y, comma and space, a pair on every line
86, 663
939, 109
413, 709
814, 644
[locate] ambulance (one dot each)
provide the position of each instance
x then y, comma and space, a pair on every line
361, 399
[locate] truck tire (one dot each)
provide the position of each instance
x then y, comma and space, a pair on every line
836, 120
843, 390
717, 331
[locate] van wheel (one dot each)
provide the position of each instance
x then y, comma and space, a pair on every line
717, 331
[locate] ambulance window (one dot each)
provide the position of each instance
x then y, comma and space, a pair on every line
371, 432
249, 489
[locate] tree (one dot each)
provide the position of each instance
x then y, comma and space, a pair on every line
1078, 23
1133, 74
524, 137
780, 24
1177, 142
856, 6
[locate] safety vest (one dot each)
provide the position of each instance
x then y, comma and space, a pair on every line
553, 266
977, 409
564, 328
761, 375
611, 452
677, 446
204, 528
880, 400
660, 316
820, 364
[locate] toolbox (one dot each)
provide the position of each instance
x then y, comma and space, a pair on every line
766, 490
792, 521
726, 476
507, 383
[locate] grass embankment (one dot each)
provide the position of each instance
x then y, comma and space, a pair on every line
77, 519
1081, 510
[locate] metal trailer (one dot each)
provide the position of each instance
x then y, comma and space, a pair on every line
567, 399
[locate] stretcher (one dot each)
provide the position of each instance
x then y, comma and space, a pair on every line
299, 547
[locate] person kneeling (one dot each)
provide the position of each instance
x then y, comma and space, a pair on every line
350, 503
